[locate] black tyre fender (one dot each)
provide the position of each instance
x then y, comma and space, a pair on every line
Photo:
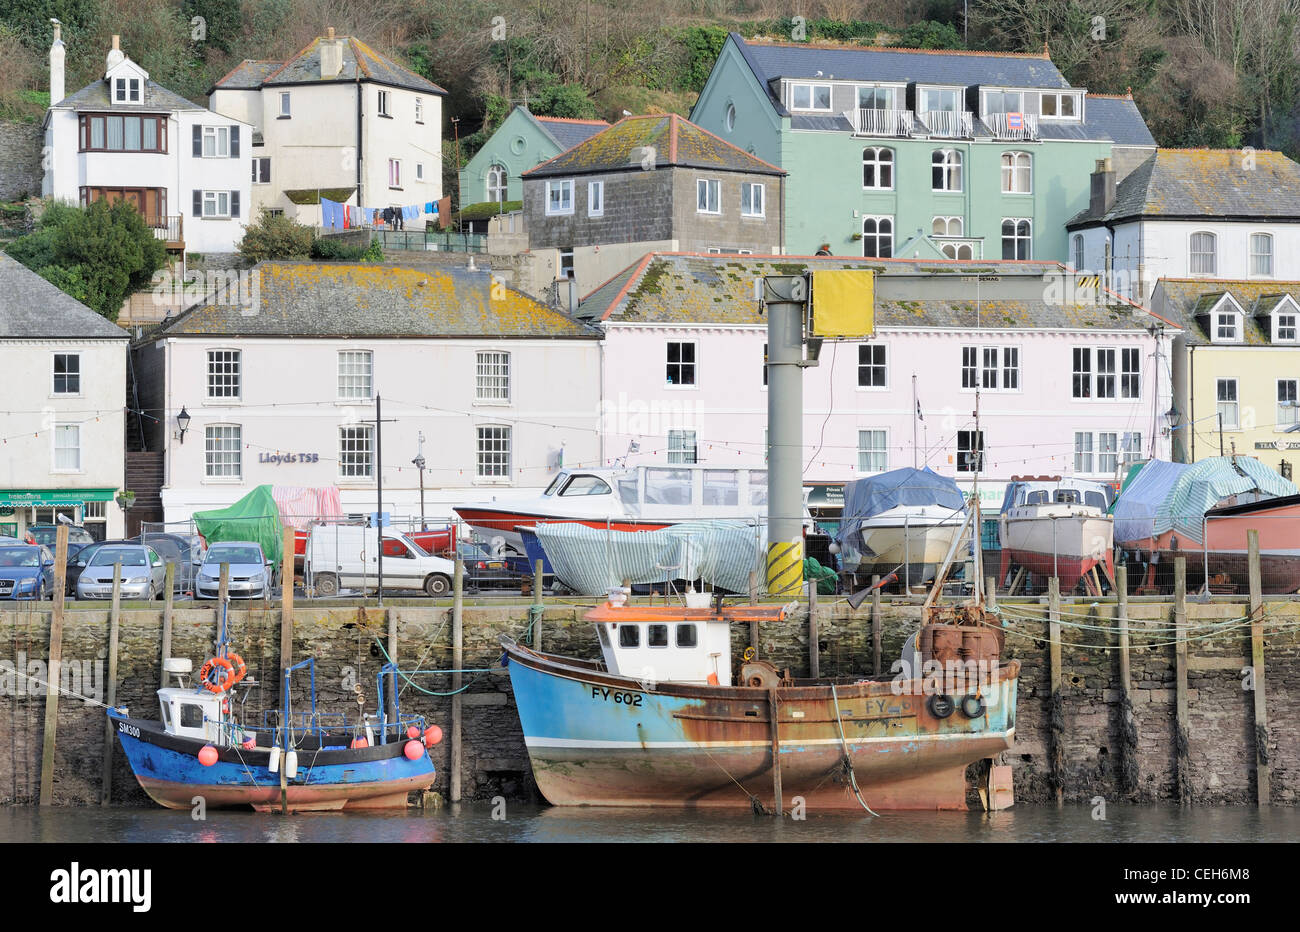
973, 706
940, 706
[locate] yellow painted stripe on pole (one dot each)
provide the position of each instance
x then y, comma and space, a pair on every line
784, 567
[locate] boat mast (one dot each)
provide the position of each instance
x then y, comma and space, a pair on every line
915, 409
976, 528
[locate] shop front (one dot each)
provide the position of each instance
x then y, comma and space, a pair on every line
21, 508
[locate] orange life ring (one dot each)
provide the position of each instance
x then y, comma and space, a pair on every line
238, 663
222, 684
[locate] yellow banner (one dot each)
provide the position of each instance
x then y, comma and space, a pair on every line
844, 303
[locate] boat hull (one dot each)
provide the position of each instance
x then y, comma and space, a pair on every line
168, 770
602, 740
915, 552
1067, 546
504, 523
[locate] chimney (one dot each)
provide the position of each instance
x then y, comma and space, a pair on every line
57, 52
1102, 196
115, 55
331, 56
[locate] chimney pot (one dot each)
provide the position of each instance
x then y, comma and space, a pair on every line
331, 32
117, 43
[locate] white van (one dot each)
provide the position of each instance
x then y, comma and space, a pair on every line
341, 556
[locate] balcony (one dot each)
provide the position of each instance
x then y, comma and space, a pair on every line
949, 124
872, 122
1015, 126
168, 229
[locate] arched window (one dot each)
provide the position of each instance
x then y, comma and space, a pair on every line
1017, 173
878, 237
878, 168
1077, 243
947, 226
945, 170
1204, 254
498, 184
1261, 254
958, 250
1016, 239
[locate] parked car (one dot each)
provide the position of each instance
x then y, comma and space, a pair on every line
47, 535
344, 556
251, 576
26, 571
143, 573
185, 552
483, 570
77, 562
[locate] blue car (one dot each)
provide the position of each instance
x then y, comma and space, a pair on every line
26, 571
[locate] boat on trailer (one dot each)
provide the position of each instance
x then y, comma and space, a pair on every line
1054, 526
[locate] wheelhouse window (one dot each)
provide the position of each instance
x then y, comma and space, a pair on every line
810, 97
873, 450
682, 449
224, 374
559, 197
356, 369
686, 634
493, 452
492, 376
872, 368
878, 237
67, 373
1017, 241
1017, 173
878, 168
681, 363
656, 635
1204, 253
946, 170
356, 452
1261, 254
629, 635
222, 456
1226, 391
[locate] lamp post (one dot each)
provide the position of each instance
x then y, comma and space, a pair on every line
183, 422
418, 463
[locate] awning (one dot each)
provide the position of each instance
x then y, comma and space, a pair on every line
27, 498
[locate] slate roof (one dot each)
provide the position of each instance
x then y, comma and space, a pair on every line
1203, 184
1118, 118
675, 140
1188, 302
32, 308
566, 132
689, 288
359, 60
96, 96
310, 299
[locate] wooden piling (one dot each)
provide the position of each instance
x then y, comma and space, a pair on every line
114, 620
168, 598
390, 687
1263, 776
286, 607
223, 592
1056, 724
775, 719
1128, 721
53, 663
876, 625
814, 649
457, 664
1181, 732
990, 592
537, 601
753, 600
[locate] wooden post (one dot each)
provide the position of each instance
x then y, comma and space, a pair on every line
753, 600
114, 618
390, 692
1128, 724
53, 662
1056, 727
168, 597
1181, 736
814, 649
876, 625
223, 589
1121, 611
990, 592
457, 664
1263, 777
537, 601
774, 712
286, 606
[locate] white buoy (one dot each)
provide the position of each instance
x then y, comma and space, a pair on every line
274, 764
291, 764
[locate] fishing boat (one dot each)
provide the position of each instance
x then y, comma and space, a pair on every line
1054, 526
1202, 511
293, 762
899, 522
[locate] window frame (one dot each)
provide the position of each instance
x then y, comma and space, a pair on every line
950, 162
502, 187
395, 174
261, 161
381, 105
1281, 422
595, 198
351, 467
682, 364
286, 106
85, 132
1193, 253
1016, 239
978, 371
565, 209
216, 134
979, 438
871, 366
1253, 255
1077, 251
210, 453
749, 188
502, 459
491, 372
1235, 402
879, 166
1059, 96
369, 375
1013, 169
1218, 318
877, 237
1293, 314
60, 429
811, 87
55, 374
215, 199
238, 372
678, 438
711, 188
873, 451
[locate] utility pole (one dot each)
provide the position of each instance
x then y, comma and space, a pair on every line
379, 500
418, 462
785, 298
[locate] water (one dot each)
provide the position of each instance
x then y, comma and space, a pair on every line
473, 822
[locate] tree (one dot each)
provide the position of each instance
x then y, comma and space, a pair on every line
275, 236
928, 35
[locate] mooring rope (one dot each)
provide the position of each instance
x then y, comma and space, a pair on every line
848, 758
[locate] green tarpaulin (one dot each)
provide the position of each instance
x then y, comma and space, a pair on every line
254, 517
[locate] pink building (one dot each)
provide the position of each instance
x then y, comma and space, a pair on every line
1068, 385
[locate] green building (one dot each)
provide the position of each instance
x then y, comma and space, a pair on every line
963, 155
521, 142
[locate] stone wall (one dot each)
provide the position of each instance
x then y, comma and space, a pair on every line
20, 160
343, 642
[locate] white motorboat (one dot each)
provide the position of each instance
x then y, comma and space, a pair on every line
1054, 526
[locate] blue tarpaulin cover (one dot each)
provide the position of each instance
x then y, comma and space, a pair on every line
865, 498
1167, 496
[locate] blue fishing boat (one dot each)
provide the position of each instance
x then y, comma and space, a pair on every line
292, 761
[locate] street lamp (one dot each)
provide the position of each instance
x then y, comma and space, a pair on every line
418, 463
183, 422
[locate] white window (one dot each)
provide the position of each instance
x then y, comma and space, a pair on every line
566, 263
1077, 250
67, 448
878, 237
1004, 102
224, 373
1226, 390
708, 196
1286, 403
222, 451
216, 203
394, 173
383, 104
1017, 239
945, 170
1017, 173
1082, 372
681, 363
878, 168
877, 98
873, 369
970, 450
682, 448
751, 200
947, 226
262, 171
1130, 376
356, 369
356, 451
493, 452
127, 90
1130, 448
1225, 325
595, 199
1261, 254
419, 109
284, 103
810, 97
1104, 379
559, 197
1060, 106
1204, 253
938, 99
498, 183
216, 142
67, 373
958, 250
1286, 327
990, 368
1107, 373
492, 376
419, 171
873, 451
1098, 453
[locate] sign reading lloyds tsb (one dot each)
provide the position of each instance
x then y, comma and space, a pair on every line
280, 459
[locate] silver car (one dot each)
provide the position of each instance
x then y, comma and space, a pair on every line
250, 574
143, 573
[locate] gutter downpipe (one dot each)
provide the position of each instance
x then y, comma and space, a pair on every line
1191, 402
360, 140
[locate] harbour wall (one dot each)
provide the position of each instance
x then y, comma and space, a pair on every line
1085, 754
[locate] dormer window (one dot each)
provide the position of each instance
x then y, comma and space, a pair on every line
1004, 102
1056, 106
810, 97
1284, 327
126, 90
1226, 328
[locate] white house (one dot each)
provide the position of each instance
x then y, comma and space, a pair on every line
124, 137
64, 423
1191, 213
283, 390
338, 120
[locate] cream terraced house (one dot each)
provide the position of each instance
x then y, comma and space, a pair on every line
337, 120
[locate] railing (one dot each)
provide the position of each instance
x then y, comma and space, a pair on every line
167, 229
432, 241
953, 124
872, 122
1012, 125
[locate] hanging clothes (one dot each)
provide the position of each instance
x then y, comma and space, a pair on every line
329, 214
430, 208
